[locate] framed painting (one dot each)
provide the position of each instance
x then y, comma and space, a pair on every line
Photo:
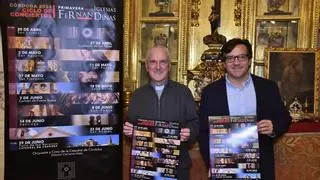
275, 34
160, 8
163, 34
278, 7
296, 72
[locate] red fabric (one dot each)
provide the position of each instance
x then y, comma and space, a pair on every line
304, 126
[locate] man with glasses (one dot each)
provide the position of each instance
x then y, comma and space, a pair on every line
163, 99
242, 93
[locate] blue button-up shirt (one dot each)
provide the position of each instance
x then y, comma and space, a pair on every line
241, 101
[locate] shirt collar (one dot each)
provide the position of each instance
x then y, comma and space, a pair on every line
164, 85
245, 83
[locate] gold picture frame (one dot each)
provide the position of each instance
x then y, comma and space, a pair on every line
278, 8
296, 72
276, 34
160, 8
165, 34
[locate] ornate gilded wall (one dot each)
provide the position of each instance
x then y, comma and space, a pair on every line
1, 113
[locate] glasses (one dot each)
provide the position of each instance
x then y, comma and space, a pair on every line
241, 58
162, 63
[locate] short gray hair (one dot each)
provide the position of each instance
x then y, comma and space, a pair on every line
165, 49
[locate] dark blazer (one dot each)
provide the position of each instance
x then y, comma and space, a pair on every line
214, 102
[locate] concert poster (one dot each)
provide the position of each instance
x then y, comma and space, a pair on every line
155, 150
63, 67
234, 147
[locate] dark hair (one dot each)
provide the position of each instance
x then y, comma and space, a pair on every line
231, 44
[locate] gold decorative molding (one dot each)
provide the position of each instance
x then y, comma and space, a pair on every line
2, 95
195, 9
159, 19
316, 20
202, 75
182, 46
127, 98
126, 39
129, 72
247, 19
237, 12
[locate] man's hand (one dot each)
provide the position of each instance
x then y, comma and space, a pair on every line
265, 126
184, 134
127, 129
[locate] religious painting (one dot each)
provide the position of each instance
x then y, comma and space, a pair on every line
296, 72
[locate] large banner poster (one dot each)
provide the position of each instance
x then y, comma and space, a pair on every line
155, 150
63, 84
234, 147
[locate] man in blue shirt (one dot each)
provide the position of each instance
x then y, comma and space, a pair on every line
242, 93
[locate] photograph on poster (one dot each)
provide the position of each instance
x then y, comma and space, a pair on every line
89, 76
142, 133
37, 65
92, 120
144, 163
167, 151
16, 42
166, 161
54, 88
296, 73
167, 131
225, 161
88, 55
250, 175
142, 153
92, 98
169, 171
166, 141
88, 36
37, 88
226, 171
89, 66
91, 141
142, 173
38, 110
73, 32
144, 143
45, 132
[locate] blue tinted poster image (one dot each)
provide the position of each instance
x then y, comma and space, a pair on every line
234, 147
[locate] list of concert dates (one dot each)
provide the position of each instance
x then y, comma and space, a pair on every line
155, 150
63, 75
234, 147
